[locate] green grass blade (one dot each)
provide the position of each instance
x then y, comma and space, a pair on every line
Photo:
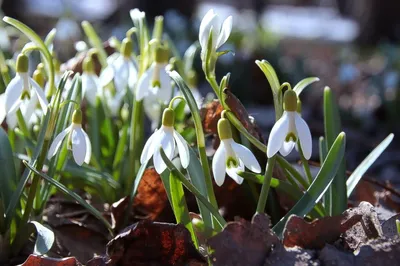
320, 184
355, 177
303, 84
95, 42
337, 192
179, 205
73, 195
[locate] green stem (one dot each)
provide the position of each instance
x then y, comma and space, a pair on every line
286, 165
24, 129
193, 189
306, 166
266, 185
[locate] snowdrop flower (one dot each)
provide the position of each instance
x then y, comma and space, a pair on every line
78, 140
22, 88
156, 80
230, 156
219, 34
167, 138
288, 129
90, 81
122, 69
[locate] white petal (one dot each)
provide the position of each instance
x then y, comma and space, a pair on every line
205, 26
277, 135
158, 162
225, 32
219, 165
247, 157
286, 148
2, 107
149, 149
13, 94
57, 142
106, 76
12, 120
164, 94
304, 134
121, 74
143, 84
40, 93
88, 146
183, 149
89, 87
152, 108
133, 78
167, 141
232, 172
79, 148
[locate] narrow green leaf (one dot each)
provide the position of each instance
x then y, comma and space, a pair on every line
303, 84
355, 177
323, 150
320, 184
50, 37
337, 192
73, 195
196, 176
8, 179
270, 74
95, 42
44, 238
179, 206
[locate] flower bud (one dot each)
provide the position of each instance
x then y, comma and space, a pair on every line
88, 65
77, 117
290, 101
22, 63
224, 129
168, 118
161, 54
39, 77
126, 47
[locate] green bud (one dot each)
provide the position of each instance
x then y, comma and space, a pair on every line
126, 47
88, 65
77, 116
125, 113
168, 118
224, 129
22, 63
57, 65
40, 67
290, 101
161, 54
192, 79
39, 77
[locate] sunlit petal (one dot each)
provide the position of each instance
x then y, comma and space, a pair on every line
286, 148
232, 172
167, 141
143, 84
183, 149
149, 149
13, 94
225, 32
90, 87
40, 93
79, 148
164, 94
106, 76
247, 157
55, 145
2, 107
158, 162
304, 134
205, 26
88, 146
133, 76
277, 135
218, 165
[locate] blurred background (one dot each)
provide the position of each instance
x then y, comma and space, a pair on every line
352, 46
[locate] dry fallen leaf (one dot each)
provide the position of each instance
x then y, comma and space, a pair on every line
36, 260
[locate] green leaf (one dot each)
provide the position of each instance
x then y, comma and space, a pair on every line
303, 84
44, 238
50, 37
179, 206
337, 192
95, 42
73, 195
8, 179
320, 184
355, 177
196, 176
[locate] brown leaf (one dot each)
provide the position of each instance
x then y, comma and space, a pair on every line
243, 243
36, 260
152, 243
210, 114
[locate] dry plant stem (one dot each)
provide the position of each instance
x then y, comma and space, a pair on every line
266, 185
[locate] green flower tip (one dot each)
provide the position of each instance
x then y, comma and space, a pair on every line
22, 63
192, 79
38, 76
224, 129
168, 118
126, 47
77, 117
161, 54
88, 65
290, 101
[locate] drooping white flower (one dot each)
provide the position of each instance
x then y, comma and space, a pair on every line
78, 140
121, 68
231, 157
220, 34
23, 88
156, 80
288, 129
167, 138
90, 81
